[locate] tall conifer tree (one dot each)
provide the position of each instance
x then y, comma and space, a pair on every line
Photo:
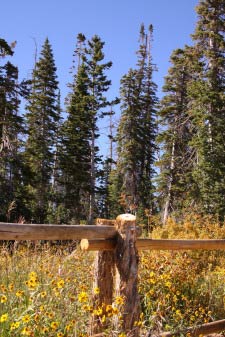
42, 123
194, 118
86, 105
11, 129
75, 153
178, 157
136, 133
207, 106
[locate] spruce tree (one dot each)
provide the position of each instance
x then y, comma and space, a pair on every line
192, 114
86, 105
207, 106
178, 157
136, 133
11, 130
75, 152
98, 86
42, 124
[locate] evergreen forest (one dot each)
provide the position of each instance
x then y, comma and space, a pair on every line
170, 152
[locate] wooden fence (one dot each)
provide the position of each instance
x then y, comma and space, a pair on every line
116, 265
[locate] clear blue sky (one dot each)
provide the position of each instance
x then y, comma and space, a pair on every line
117, 22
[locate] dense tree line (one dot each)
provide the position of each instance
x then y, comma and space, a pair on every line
170, 153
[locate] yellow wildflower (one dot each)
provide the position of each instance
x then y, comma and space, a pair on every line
33, 274
11, 286
26, 331
42, 308
3, 299
119, 300
115, 310
108, 308
68, 327
60, 334
82, 297
60, 284
57, 293
43, 294
168, 284
3, 318
50, 314
26, 318
54, 325
98, 311
36, 317
14, 325
3, 288
96, 291
45, 329
19, 293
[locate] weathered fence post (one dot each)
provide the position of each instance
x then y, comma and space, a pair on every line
126, 257
104, 270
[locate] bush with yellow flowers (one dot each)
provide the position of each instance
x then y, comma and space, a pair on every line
42, 292
185, 288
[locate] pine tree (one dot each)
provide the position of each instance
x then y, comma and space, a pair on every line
42, 121
207, 106
136, 133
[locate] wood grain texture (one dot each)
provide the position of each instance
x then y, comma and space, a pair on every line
152, 244
127, 259
204, 329
10, 231
104, 270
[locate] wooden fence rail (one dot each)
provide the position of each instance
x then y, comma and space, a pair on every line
150, 244
11, 231
116, 264
203, 329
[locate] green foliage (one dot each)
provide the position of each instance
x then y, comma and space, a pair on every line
183, 289
42, 124
79, 153
137, 131
207, 107
178, 157
56, 172
192, 113
11, 131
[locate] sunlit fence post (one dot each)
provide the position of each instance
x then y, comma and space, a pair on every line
126, 257
104, 270
116, 273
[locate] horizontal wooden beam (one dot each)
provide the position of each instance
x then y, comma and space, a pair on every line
150, 244
11, 231
166, 244
204, 329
